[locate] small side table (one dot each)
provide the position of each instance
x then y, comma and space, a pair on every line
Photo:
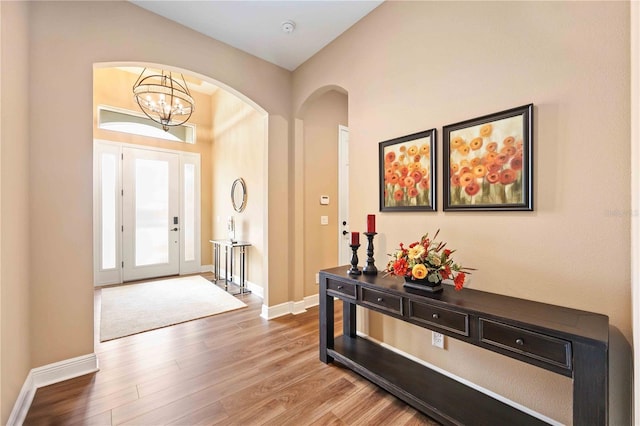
229, 248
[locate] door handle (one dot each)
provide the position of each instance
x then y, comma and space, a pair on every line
174, 229
344, 232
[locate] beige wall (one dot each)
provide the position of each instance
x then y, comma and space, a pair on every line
411, 66
14, 210
239, 152
321, 118
112, 87
67, 38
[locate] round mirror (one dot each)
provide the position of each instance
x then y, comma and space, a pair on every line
239, 194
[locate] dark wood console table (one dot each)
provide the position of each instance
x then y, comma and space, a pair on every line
565, 341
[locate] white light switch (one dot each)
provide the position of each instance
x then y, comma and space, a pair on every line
324, 220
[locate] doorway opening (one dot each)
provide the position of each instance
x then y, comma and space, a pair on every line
146, 213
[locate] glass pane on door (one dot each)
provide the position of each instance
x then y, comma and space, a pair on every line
151, 212
109, 213
189, 226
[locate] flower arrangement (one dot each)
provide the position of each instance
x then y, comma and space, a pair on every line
427, 259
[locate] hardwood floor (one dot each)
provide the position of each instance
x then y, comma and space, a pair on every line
230, 369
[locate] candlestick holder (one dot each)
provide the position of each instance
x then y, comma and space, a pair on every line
370, 268
354, 260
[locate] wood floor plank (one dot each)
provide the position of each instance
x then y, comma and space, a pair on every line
229, 369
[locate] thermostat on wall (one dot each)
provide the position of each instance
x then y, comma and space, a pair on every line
324, 200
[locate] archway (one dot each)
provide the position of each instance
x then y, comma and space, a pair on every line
231, 139
316, 169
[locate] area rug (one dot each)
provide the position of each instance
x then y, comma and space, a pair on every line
132, 309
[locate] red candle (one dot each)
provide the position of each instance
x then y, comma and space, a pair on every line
371, 223
355, 238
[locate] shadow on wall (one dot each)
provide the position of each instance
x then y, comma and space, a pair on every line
620, 370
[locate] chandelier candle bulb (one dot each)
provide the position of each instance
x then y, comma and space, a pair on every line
371, 223
355, 238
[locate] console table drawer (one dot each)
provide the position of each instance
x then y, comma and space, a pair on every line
531, 344
443, 318
382, 300
345, 289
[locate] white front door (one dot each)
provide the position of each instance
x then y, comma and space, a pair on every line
150, 214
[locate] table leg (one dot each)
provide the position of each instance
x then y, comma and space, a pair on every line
326, 322
226, 268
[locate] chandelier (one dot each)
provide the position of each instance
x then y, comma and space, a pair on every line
163, 98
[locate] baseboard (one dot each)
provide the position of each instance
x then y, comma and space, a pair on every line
206, 268
291, 307
48, 375
311, 301
23, 403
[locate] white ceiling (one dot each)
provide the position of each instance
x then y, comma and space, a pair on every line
255, 26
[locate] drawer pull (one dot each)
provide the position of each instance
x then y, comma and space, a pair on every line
340, 287
379, 299
435, 316
519, 342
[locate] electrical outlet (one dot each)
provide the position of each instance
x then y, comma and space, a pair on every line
317, 278
437, 340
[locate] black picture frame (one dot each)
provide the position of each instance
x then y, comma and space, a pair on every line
407, 167
488, 162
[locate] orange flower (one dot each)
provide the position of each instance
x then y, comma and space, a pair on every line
464, 149
409, 182
466, 179
472, 189
486, 130
454, 168
402, 157
413, 167
413, 192
455, 180
402, 148
516, 163
475, 161
509, 150
395, 166
423, 171
425, 150
493, 177
390, 157
502, 159
416, 158
509, 141
464, 170
476, 143
492, 146
491, 156
494, 167
413, 150
464, 163
404, 170
479, 171
507, 176
424, 183
456, 142
416, 175
398, 195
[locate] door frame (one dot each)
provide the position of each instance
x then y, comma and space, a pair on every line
114, 275
343, 195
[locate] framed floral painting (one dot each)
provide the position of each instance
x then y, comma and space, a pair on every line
407, 172
488, 162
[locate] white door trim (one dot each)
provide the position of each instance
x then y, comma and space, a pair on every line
635, 204
344, 256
